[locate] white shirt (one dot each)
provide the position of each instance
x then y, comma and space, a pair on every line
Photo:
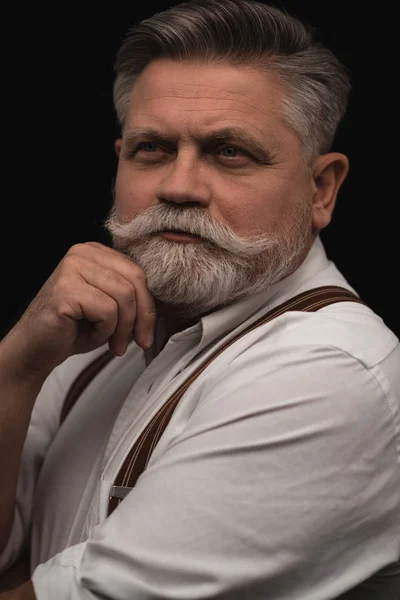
277, 478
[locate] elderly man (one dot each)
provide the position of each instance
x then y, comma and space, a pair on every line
207, 410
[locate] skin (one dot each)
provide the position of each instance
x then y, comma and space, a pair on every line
96, 294
183, 100
251, 192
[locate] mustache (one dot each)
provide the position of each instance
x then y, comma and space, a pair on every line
194, 221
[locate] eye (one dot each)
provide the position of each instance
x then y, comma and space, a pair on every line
235, 151
230, 154
142, 145
233, 156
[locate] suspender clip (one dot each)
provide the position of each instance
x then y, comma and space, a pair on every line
120, 492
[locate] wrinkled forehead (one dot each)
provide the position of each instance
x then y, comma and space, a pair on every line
186, 97
189, 85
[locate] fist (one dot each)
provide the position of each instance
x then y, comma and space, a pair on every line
95, 295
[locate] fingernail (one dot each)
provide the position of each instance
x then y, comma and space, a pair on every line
122, 349
148, 340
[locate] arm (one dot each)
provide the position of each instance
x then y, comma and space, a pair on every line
18, 396
276, 488
95, 295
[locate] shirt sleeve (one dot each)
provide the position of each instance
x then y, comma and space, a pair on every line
283, 486
44, 424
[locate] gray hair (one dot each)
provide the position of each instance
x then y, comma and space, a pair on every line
244, 33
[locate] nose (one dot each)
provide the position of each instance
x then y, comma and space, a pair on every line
185, 182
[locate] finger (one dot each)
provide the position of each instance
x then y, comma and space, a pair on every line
92, 305
145, 317
144, 302
121, 291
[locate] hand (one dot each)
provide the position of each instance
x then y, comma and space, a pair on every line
95, 295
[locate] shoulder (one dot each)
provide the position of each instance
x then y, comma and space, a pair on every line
341, 359
344, 328
349, 327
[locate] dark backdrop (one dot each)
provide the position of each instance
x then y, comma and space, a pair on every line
78, 127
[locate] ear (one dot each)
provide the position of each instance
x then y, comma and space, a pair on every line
118, 146
329, 172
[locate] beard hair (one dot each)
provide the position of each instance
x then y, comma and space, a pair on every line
195, 278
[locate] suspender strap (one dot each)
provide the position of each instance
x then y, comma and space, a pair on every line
82, 381
137, 459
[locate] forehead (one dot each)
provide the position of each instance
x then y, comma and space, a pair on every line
191, 93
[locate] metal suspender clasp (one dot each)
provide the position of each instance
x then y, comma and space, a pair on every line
119, 491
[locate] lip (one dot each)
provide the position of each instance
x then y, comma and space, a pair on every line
184, 238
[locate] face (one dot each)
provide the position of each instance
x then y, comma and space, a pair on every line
206, 151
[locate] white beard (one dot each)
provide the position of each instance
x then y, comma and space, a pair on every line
222, 267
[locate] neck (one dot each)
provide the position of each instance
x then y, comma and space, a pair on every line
174, 318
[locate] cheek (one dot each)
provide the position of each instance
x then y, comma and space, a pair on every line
132, 194
242, 214
253, 208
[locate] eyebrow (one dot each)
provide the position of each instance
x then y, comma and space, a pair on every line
226, 134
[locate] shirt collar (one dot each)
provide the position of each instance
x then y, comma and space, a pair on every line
221, 322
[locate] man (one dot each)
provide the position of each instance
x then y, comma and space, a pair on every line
273, 472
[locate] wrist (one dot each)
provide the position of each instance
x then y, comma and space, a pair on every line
20, 367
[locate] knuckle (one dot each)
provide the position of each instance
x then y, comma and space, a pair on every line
82, 249
108, 276
59, 288
139, 274
94, 246
63, 287
76, 249
110, 307
108, 303
116, 281
70, 261
64, 308
128, 291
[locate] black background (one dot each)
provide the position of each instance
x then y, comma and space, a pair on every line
72, 79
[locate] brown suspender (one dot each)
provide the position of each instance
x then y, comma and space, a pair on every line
139, 455
82, 381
